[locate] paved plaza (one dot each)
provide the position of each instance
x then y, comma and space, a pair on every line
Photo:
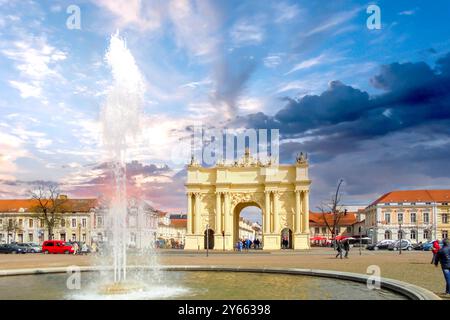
413, 267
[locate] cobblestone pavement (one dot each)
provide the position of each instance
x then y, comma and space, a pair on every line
413, 267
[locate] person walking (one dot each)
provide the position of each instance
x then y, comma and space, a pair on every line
75, 248
436, 247
443, 257
339, 249
346, 248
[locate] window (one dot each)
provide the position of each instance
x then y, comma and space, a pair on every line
1, 222
401, 234
100, 222
413, 235
387, 235
41, 223
83, 222
62, 236
324, 230
387, 217
349, 229
426, 234
74, 237
444, 218
30, 223
30, 237
63, 223
20, 222
74, 223
317, 230
444, 234
84, 237
400, 217
413, 217
426, 217
10, 223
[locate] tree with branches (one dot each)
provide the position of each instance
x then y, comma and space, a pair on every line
49, 205
12, 227
335, 210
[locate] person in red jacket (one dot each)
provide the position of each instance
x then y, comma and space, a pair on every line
435, 249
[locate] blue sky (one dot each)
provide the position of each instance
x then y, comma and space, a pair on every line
214, 62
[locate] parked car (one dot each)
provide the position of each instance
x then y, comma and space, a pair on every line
427, 246
56, 246
405, 245
11, 248
33, 247
380, 245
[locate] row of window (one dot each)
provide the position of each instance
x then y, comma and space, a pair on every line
413, 234
20, 237
31, 223
412, 217
412, 203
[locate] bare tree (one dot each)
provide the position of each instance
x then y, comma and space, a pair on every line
333, 209
49, 205
11, 227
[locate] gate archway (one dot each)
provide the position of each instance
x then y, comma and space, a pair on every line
215, 194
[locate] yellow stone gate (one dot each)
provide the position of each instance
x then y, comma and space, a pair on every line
216, 196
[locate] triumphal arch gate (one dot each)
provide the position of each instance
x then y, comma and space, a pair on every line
216, 195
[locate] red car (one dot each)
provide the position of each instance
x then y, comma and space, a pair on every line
56, 246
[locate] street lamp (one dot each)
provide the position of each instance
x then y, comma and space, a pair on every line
360, 240
401, 237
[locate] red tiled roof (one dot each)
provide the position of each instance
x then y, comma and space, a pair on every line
29, 205
414, 196
179, 222
319, 219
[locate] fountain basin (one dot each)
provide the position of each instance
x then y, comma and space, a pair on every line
213, 282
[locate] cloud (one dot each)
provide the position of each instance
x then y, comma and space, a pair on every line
137, 14
272, 61
36, 61
285, 12
401, 133
200, 16
247, 32
333, 21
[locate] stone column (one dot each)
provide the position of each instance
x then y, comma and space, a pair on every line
197, 216
305, 211
228, 223
298, 213
276, 213
189, 213
218, 213
267, 212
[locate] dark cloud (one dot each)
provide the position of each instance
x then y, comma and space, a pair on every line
392, 140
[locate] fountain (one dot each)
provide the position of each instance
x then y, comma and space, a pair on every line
120, 119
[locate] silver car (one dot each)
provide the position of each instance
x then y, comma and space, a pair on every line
33, 247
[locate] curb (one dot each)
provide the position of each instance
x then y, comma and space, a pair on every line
408, 290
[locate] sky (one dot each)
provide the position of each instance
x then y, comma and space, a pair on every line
370, 106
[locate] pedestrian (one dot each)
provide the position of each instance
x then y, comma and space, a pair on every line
443, 257
346, 248
94, 247
339, 249
436, 247
75, 248
84, 248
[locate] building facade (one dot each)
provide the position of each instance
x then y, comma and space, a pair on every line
415, 215
319, 222
217, 195
19, 221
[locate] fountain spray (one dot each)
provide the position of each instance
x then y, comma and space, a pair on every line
120, 118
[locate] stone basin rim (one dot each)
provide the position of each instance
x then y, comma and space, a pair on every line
408, 290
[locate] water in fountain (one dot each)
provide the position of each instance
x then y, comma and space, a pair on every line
120, 117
